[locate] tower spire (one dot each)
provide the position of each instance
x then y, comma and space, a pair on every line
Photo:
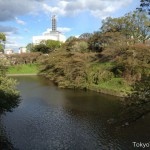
53, 23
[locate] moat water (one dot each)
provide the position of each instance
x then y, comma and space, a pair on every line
49, 118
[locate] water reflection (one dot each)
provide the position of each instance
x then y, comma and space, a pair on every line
52, 118
8, 102
5, 144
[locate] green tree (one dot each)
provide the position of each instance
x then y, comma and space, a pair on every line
140, 92
41, 48
85, 36
77, 44
96, 42
52, 44
80, 46
71, 38
137, 26
70, 42
133, 26
2, 37
4, 64
137, 103
144, 6
30, 47
9, 96
1, 48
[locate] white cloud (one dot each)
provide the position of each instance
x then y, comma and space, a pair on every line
63, 29
98, 8
54, 10
9, 9
21, 22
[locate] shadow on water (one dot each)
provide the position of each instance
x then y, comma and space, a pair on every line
7, 104
5, 144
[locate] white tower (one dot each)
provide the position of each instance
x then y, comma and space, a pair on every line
54, 23
50, 34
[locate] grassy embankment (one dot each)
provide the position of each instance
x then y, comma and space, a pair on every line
23, 69
76, 71
81, 71
108, 83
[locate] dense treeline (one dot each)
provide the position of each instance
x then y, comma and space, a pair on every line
44, 46
144, 6
114, 60
109, 60
24, 58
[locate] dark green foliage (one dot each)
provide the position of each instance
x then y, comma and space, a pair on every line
95, 42
122, 42
70, 42
71, 38
52, 45
133, 26
144, 6
30, 47
9, 96
74, 44
2, 37
108, 61
127, 39
80, 70
41, 48
85, 36
3, 66
133, 62
137, 103
8, 100
1, 48
140, 94
46, 46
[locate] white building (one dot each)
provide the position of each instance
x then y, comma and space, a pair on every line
50, 34
22, 50
9, 51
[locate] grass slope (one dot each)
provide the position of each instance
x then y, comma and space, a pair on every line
80, 70
23, 69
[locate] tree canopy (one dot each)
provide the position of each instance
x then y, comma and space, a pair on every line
133, 26
45, 46
144, 6
40, 48
30, 47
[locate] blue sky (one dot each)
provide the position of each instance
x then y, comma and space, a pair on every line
22, 19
